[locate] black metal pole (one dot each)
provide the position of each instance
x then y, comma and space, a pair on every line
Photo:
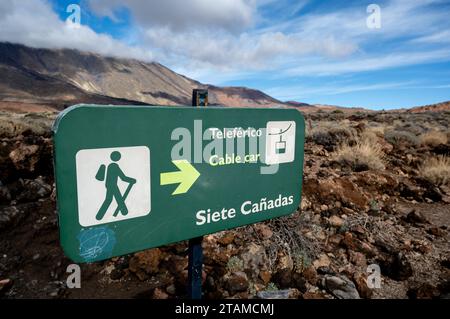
199, 98
195, 268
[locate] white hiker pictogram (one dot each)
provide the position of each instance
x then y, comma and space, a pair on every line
113, 184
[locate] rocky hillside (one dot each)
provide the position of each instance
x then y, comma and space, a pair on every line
64, 77
438, 107
376, 191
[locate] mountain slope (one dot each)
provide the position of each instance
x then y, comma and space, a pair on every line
438, 107
63, 77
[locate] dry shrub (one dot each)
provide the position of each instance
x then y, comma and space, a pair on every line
372, 134
12, 124
290, 240
330, 133
436, 170
401, 137
377, 130
363, 155
433, 138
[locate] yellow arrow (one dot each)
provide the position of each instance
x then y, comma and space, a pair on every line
186, 176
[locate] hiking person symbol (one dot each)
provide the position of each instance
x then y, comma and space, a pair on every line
111, 177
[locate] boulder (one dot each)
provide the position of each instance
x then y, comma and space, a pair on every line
25, 157
322, 261
254, 259
279, 294
145, 262
340, 287
236, 282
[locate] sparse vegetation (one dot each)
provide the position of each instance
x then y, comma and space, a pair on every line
378, 130
369, 210
235, 264
436, 170
361, 156
374, 206
330, 133
372, 134
16, 124
301, 260
433, 138
401, 137
293, 243
271, 287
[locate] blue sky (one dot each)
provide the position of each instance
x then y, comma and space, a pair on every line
324, 52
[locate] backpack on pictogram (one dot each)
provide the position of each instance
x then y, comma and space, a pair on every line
100, 176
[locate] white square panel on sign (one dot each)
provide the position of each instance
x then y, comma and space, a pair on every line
113, 184
280, 142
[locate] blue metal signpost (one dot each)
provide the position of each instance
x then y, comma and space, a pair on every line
199, 99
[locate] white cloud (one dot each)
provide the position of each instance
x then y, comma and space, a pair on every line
219, 35
224, 39
437, 37
247, 51
364, 64
302, 92
34, 23
399, 18
336, 42
178, 15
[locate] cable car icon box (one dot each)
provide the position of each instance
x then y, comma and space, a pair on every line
280, 142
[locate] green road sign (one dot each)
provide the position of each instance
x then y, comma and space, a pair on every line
134, 177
